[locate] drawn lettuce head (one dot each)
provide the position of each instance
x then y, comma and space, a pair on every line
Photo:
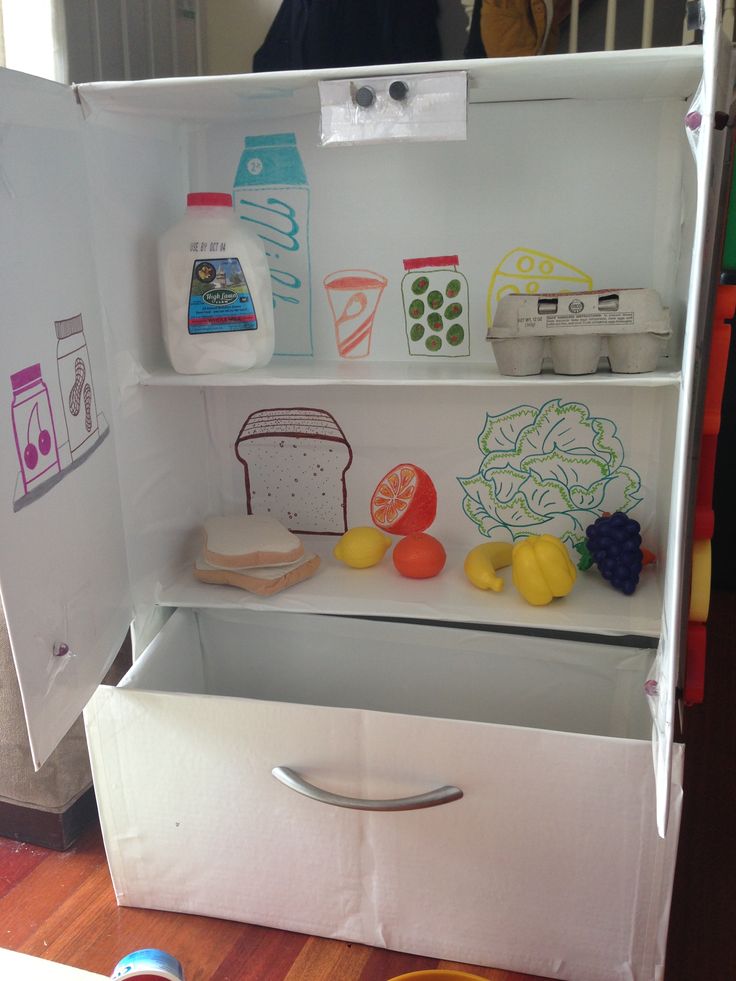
549, 470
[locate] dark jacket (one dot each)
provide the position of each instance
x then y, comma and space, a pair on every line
347, 33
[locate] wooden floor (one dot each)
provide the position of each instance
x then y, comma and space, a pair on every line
61, 905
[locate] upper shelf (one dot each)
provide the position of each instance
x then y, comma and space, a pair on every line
307, 371
636, 74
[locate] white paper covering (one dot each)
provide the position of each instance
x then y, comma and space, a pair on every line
549, 864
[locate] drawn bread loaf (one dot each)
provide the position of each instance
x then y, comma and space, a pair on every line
294, 462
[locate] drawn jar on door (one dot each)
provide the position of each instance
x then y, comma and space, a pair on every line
33, 427
75, 383
435, 299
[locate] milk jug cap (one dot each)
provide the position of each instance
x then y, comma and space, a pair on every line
206, 199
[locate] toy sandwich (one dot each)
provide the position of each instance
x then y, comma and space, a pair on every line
253, 552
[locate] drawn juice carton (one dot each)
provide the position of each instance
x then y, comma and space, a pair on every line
271, 191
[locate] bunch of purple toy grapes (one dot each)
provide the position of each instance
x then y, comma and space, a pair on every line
614, 543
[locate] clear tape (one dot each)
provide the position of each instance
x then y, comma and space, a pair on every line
407, 108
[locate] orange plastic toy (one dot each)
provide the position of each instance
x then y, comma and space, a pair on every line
437, 975
404, 501
419, 556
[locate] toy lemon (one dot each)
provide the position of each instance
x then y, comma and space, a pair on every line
360, 548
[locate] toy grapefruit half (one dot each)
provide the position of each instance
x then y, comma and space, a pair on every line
404, 501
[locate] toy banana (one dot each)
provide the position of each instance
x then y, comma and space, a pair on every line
482, 562
541, 569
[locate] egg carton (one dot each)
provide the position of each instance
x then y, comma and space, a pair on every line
630, 327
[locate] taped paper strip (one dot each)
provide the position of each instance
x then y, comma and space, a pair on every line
386, 109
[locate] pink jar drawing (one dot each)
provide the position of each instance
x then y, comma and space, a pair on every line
33, 427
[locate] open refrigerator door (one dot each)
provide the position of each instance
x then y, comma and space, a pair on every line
712, 99
63, 566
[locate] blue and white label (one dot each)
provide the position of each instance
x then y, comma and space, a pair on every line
219, 299
149, 964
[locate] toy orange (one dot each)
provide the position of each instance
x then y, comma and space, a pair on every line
404, 501
419, 556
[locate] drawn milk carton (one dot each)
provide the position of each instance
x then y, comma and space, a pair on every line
272, 192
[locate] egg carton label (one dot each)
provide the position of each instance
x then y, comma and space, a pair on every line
601, 320
628, 311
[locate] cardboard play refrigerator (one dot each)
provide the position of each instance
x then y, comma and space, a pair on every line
532, 730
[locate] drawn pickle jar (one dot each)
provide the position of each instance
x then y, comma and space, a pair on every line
75, 383
435, 300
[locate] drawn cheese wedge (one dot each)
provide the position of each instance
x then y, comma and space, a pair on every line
528, 271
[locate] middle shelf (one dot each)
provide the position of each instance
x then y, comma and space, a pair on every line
593, 607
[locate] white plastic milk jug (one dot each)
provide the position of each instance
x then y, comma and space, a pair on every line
216, 300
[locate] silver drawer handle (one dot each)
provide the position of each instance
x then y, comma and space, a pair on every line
442, 795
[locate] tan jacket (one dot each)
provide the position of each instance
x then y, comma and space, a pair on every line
518, 27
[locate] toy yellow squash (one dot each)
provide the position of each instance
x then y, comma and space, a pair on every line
541, 569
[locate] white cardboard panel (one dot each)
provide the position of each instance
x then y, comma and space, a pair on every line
22, 967
137, 188
620, 225
285, 371
447, 672
644, 169
653, 73
138, 184
387, 427
620, 229
468, 881
62, 565
593, 607
443, 436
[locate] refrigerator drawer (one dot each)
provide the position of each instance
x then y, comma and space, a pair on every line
551, 848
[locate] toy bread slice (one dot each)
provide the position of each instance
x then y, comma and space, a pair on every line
249, 541
264, 581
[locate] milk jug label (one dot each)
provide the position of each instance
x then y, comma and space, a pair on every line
219, 299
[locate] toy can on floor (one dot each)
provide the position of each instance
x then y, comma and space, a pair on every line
437, 975
148, 965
